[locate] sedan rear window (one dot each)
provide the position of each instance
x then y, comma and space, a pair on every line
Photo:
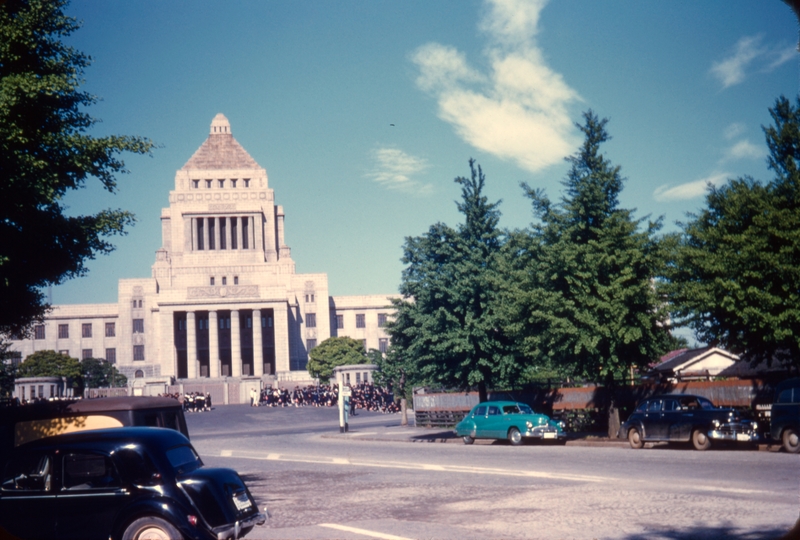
183, 458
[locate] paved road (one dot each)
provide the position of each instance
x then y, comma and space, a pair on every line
373, 483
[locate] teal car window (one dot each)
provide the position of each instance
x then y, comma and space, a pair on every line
480, 411
494, 411
525, 409
511, 409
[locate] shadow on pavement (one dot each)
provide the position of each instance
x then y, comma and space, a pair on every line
723, 532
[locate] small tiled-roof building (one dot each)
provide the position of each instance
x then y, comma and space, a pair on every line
693, 364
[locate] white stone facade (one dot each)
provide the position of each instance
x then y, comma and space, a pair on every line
223, 265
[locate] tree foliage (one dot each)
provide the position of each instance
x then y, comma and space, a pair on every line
45, 152
448, 322
333, 352
586, 300
97, 373
8, 370
52, 364
735, 272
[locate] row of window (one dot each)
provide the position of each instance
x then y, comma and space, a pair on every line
361, 320
111, 354
383, 344
224, 323
213, 280
86, 330
209, 183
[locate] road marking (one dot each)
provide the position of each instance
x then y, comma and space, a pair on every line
365, 532
243, 454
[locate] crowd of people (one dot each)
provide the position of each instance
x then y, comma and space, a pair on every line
192, 401
364, 396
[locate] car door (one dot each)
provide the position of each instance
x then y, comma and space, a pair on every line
27, 496
654, 428
494, 423
90, 496
478, 420
672, 420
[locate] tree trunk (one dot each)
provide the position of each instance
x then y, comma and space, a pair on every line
613, 411
403, 412
483, 395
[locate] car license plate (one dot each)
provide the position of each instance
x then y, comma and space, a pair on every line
742, 437
549, 435
242, 501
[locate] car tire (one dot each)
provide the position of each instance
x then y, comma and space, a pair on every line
700, 440
467, 439
514, 436
635, 439
151, 528
791, 441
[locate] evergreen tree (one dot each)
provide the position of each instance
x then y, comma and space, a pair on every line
447, 323
333, 352
45, 152
97, 373
587, 302
735, 275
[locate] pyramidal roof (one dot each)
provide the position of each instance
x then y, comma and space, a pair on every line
220, 150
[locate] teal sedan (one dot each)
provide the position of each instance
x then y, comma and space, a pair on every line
507, 420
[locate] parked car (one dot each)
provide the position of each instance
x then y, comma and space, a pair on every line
684, 417
785, 415
507, 420
129, 483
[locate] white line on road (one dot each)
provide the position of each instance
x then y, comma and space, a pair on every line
365, 532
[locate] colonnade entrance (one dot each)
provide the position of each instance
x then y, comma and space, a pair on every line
224, 343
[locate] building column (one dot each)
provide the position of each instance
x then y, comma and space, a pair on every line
236, 344
228, 233
239, 224
216, 233
213, 345
251, 233
258, 345
281, 330
191, 346
205, 234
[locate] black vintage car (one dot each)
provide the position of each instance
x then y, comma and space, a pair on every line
122, 484
785, 415
682, 418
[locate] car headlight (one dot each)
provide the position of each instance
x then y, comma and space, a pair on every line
755, 426
529, 424
562, 424
716, 423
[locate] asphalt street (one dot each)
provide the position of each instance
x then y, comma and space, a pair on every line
382, 480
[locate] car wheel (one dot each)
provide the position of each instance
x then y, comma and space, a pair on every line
151, 528
791, 441
514, 436
700, 440
635, 439
467, 439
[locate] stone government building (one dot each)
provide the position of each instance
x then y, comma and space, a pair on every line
223, 300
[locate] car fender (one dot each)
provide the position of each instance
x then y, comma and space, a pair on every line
627, 427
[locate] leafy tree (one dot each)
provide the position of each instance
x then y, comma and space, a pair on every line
8, 370
52, 364
447, 322
586, 293
735, 275
97, 373
393, 373
333, 352
45, 152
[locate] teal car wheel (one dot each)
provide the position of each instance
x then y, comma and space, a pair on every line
514, 436
467, 439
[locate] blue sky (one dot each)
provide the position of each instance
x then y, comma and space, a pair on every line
311, 90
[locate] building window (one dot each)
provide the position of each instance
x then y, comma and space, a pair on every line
63, 331
360, 320
208, 184
140, 303
86, 330
138, 326
266, 322
233, 183
381, 320
86, 353
111, 329
347, 378
235, 280
133, 304
195, 184
111, 356
246, 182
138, 352
224, 280
211, 281
358, 377
224, 323
38, 331
221, 183
311, 320
383, 345
309, 298
139, 374
245, 234
340, 322
311, 343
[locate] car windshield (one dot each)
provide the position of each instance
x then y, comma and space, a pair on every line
183, 458
694, 402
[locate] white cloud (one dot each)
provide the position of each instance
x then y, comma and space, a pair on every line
689, 190
743, 150
516, 111
733, 130
394, 169
749, 51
